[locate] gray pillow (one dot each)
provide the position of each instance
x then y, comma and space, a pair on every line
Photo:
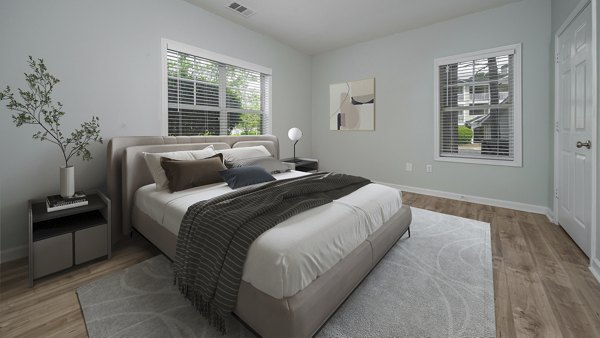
271, 165
244, 176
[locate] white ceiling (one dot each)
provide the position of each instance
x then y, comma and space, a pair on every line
316, 26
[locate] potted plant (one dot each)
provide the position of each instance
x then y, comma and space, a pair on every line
35, 106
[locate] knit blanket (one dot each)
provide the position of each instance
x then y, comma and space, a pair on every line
215, 235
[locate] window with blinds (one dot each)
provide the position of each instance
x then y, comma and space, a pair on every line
211, 97
478, 112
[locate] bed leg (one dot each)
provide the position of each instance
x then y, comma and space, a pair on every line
409, 231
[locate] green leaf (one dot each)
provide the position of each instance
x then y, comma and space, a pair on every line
34, 106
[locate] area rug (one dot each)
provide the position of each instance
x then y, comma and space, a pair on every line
438, 283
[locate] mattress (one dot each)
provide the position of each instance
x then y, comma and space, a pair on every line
287, 258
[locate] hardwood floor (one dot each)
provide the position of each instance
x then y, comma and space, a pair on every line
542, 284
51, 307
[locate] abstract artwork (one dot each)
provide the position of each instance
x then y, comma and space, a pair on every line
352, 105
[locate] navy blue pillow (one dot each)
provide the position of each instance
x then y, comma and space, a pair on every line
243, 176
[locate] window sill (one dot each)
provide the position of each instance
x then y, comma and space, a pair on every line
502, 163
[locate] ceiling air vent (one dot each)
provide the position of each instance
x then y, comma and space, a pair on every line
240, 9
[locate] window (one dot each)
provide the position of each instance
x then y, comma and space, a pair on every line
478, 107
211, 94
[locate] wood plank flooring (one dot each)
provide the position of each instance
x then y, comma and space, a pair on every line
51, 307
542, 284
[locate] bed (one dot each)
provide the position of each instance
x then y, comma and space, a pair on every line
289, 299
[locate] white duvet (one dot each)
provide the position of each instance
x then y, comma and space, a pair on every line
287, 258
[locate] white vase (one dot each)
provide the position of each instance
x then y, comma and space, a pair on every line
67, 181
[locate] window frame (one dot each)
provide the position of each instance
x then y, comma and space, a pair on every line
213, 56
517, 160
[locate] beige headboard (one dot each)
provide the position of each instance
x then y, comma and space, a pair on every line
127, 170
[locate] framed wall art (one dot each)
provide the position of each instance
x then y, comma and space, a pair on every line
352, 105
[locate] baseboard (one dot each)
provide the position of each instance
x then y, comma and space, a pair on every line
537, 209
13, 253
550, 216
595, 268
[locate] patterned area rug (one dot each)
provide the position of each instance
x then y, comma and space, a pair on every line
438, 283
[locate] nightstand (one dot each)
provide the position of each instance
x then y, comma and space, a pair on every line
303, 164
61, 239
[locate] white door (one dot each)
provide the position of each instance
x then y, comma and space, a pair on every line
575, 129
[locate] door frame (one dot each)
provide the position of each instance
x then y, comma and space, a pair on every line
578, 9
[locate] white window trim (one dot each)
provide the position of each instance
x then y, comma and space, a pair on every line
518, 120
203, 53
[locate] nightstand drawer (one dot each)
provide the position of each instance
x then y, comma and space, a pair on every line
90, 243
52, 254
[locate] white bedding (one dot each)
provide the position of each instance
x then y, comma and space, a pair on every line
287, 258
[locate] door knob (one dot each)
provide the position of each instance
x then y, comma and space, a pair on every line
587, 144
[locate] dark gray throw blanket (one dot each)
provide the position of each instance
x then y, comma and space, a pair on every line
215, 235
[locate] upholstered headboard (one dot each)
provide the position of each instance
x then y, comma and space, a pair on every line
127, 170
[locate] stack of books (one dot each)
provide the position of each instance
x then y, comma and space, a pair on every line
57, 202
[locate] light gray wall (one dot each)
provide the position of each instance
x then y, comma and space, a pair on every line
402, 65
107, 55
561, 9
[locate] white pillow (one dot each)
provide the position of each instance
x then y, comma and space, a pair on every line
158, 174
236, 154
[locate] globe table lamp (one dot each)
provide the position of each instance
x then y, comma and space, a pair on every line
295, 135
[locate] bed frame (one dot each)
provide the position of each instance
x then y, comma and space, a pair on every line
300, 315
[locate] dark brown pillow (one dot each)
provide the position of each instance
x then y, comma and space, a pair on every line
193, 173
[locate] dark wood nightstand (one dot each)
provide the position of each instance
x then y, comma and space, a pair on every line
303, 164
61, 239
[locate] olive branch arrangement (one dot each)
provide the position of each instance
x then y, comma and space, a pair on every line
35, 106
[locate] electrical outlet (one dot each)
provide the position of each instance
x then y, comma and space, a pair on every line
429, 168
409, 166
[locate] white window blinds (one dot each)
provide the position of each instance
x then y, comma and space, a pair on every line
207, 97
478, 107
